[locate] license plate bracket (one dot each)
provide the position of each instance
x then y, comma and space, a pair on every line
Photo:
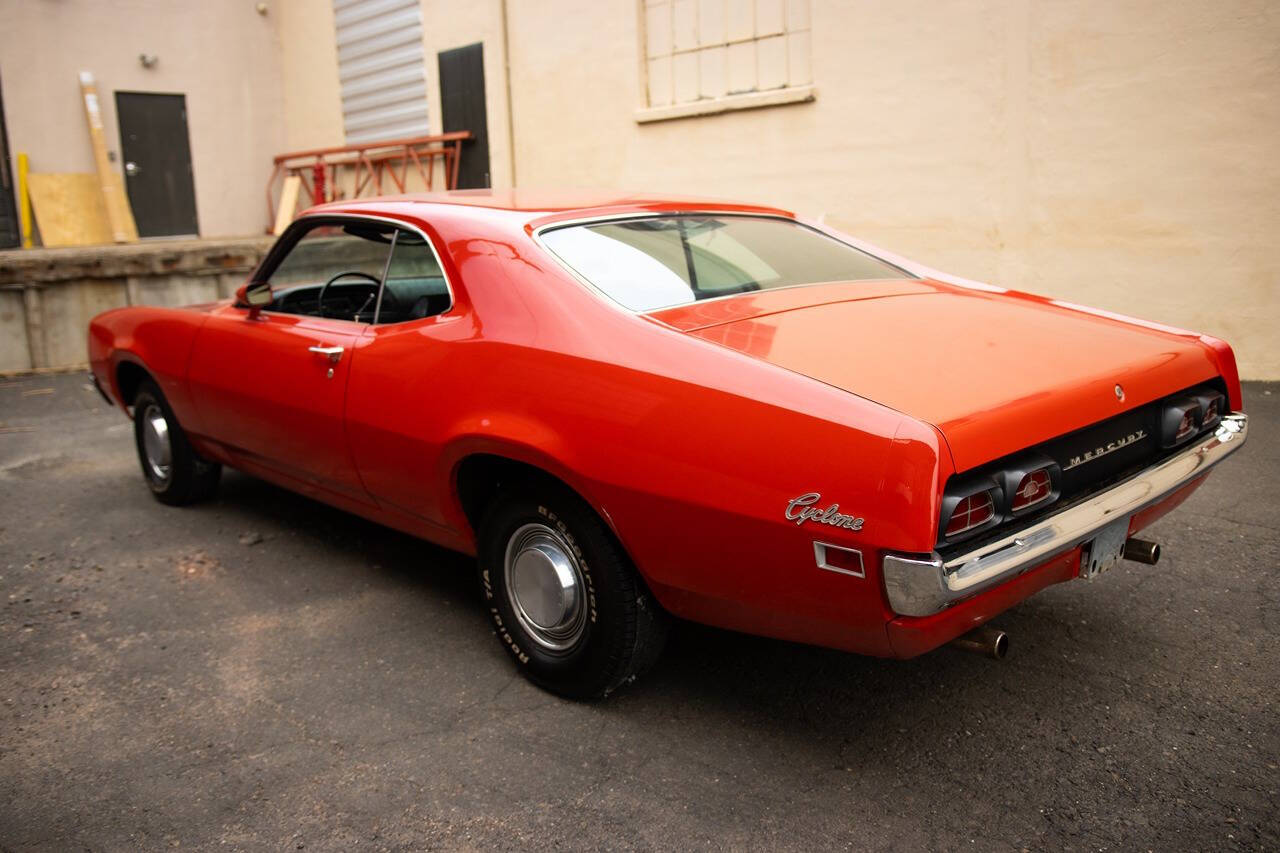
1105, 550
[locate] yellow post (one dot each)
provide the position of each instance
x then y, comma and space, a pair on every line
24, 201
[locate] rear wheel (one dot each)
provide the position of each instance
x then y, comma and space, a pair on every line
173, 470
566, 602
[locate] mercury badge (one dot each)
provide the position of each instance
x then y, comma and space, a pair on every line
1103, 450
802, 509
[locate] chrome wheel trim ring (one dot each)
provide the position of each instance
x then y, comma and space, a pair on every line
156, 447
545, 586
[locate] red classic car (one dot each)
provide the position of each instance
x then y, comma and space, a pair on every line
630, 407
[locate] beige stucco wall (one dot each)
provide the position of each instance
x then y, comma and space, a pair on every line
446, 25
312, 100
1125, 155
223, 56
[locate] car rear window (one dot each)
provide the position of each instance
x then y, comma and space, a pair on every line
663, 261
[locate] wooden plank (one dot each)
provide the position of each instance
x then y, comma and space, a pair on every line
288, 203
69, 209
24, 200
119, 215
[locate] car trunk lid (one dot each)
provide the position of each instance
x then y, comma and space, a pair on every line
994, 372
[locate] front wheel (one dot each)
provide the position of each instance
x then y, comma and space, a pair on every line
176, 474
564, 599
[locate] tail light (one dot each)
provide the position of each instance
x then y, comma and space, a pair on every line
1180, 421
971, 512
1186, 426
1035, 488
1213, 405
970, 505
1030, 482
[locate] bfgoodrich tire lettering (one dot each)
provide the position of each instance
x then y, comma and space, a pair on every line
175, 473
616, 631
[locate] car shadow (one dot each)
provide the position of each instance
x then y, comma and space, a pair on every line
723, 673
421, 566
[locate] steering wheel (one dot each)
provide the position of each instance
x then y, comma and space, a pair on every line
374, 280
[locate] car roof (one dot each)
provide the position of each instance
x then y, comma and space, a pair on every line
538, 204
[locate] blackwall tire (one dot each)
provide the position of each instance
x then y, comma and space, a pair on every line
565, 601
175, 473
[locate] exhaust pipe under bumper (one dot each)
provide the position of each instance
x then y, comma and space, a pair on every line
1141, 551
986, 641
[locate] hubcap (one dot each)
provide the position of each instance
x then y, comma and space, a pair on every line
155, 443
545, 584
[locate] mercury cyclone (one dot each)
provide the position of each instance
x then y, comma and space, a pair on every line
635, 408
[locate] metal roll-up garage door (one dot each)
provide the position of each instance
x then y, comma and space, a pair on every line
380, 67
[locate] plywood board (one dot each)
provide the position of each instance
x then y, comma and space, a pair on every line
69, 209
119, 215
288, 203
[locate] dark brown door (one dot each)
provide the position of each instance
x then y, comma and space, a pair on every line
157, 163
9, 230
462, 108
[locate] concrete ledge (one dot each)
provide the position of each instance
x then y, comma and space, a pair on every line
198, 257
48, 296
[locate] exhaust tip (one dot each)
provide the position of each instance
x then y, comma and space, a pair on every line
1141, 551
1000, 646
988, 642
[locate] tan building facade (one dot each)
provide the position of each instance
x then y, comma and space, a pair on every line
223, 57
1122, 155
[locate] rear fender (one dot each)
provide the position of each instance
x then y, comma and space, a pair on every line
1225, 358
520, 440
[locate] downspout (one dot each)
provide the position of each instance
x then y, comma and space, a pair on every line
506, 69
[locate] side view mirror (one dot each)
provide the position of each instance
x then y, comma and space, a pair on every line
254, 295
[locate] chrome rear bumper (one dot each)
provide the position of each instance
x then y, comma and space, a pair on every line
921, 587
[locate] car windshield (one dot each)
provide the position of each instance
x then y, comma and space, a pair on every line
660, 262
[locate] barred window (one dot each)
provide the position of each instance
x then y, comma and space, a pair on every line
721, 50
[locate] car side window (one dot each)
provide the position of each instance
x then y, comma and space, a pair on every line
415, 285
333, 270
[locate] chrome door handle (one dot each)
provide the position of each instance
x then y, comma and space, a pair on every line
334, 353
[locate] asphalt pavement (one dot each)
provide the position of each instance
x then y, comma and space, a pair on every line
266, 672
